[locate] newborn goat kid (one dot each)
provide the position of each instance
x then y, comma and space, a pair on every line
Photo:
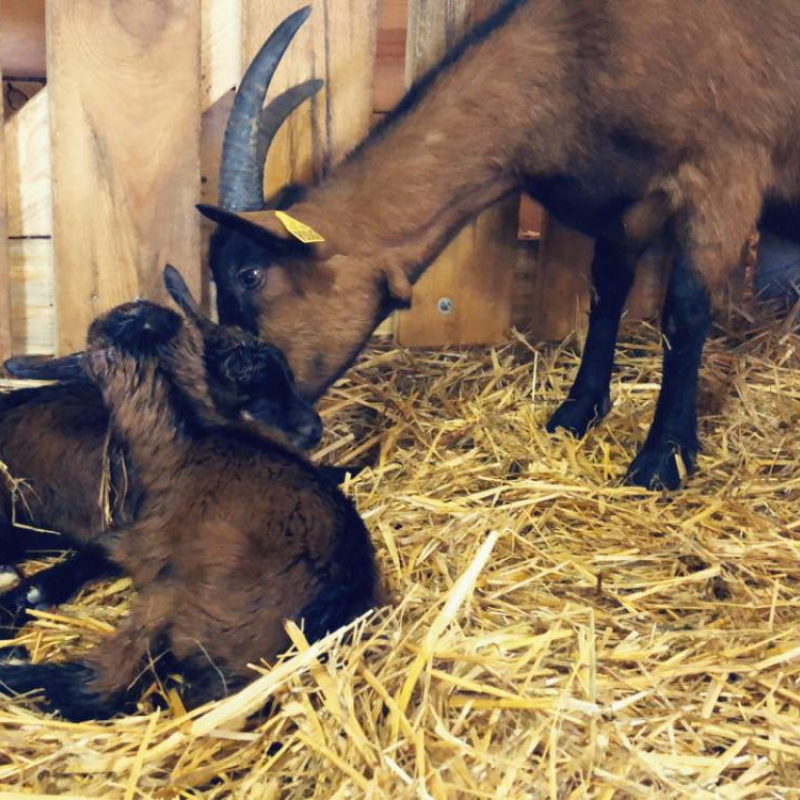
54, 440
233, 534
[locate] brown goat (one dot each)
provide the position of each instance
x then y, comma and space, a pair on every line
639, 122
54, 440
232, 535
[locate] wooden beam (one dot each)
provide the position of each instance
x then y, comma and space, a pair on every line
465, 297
337, 44
125, 138
5, 275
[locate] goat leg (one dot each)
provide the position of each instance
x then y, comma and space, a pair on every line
66, 689
686, 320
53, 586
589, 399
17, 543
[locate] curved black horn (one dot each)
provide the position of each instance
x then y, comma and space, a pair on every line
45, 368
273, 116
241, 173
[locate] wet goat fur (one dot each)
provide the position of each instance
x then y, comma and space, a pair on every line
233, 535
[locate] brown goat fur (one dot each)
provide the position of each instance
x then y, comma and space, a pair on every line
233, 534
629, 120
70, 475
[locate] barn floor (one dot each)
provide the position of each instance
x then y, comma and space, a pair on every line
555, 635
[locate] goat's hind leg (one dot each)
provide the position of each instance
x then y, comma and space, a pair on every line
589, 399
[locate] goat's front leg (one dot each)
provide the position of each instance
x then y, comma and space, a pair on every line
686, 319
589, 399
52, 586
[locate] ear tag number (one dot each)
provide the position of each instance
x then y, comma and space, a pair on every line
299, 230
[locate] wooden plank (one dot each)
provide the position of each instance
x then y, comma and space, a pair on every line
465, 296
390, 59
125, 137
221, 49
23, 54
562, 282
28, 169
5, 278
33, 313
337, 44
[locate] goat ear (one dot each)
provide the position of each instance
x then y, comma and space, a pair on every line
180, 293
261, 226
46, 368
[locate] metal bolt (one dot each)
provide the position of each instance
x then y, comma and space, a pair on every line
445, 305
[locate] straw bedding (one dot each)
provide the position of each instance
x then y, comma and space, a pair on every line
554, 635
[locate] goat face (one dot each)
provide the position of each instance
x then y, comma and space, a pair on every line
267, 283
228, 369
266, 280
250, 380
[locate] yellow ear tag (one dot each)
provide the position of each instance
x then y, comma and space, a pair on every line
299, 230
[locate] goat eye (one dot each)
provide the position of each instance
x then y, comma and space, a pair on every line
251, 278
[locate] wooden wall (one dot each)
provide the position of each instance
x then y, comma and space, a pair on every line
104, 162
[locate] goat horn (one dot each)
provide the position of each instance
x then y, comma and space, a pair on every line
45, 368
241, 171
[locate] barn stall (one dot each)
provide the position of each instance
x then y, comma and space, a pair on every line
553, 633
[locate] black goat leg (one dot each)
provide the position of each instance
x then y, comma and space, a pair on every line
685, 322
589, 399
65, 688
16, 544
52, 586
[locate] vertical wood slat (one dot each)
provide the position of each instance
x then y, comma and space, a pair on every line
5, 272
337, 44
125, 127
474, 276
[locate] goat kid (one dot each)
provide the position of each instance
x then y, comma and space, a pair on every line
233, 534
604, 112
55, 441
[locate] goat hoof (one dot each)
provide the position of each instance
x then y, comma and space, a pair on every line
657, 466
8, 575
576, 415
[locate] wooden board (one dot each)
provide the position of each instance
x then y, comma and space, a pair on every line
33, 313
125, 137
28, 169
337, 44
5, 277
390, 59
474, 276
562, 283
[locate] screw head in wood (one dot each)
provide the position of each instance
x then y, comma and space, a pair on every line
445, 305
